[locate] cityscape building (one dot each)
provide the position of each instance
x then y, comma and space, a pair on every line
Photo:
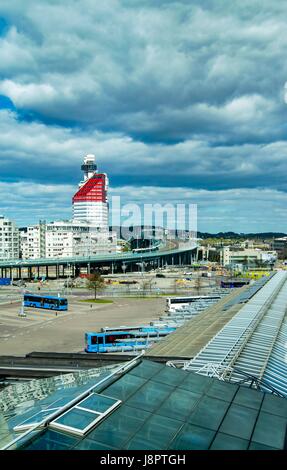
90, 202
246, 256
9, 239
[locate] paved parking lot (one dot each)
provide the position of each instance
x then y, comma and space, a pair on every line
42, 330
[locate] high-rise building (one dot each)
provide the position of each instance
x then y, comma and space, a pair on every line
9, 239
90, 202
87, 234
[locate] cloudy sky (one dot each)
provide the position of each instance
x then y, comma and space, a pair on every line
180, 101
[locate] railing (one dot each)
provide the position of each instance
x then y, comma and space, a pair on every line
226, 374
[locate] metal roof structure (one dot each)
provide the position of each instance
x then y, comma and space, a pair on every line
155, 407
254, 340
190, 338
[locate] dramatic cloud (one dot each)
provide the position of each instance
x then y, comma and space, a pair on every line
217, 210
167, 94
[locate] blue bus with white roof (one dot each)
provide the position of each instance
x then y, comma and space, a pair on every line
49, 302
124, 339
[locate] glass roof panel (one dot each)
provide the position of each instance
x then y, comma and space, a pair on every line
76, 419
248, 397
147, 369
52, 440
270, 430
170, 376
150, 396
119, 427
196, 383
124, 387
179, 404
192, 438
257, 446
222, 390
209, 413
226, 442
89, 444
98, 403
239, 421
156, 433
274, 405
35, 419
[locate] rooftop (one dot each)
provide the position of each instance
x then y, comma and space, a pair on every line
254, 340
188, 340
147, 405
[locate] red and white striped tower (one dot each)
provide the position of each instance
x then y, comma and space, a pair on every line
90, 201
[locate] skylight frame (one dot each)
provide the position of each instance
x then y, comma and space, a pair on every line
99, 416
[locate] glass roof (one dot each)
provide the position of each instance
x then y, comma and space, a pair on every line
254, 340
160, 411
25, 404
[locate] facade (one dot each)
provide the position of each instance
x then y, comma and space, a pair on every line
247, 257
33, 241
75, 238
64, 239
280, 245
90, 201
9, 239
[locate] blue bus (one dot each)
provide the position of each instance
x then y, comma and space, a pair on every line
5, 281
234, 283
45, 301
124, 340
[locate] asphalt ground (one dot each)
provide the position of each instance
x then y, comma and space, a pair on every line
43, 330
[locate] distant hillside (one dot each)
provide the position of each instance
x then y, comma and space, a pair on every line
234, 235
139, 232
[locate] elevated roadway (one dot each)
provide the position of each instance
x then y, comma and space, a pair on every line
183, 254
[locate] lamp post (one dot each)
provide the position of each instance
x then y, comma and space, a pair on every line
68, 278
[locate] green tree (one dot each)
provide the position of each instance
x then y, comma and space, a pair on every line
175, 286
95, 283
147, 285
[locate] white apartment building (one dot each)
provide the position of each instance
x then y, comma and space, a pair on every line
65, 239
9, 239
32, 241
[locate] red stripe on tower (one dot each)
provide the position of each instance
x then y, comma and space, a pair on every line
94, 189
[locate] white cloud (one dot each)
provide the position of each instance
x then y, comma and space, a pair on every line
174, 72
53, 154
241, 210
170, 94
225, 210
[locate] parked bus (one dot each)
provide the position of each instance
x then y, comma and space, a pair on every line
5, 281
234, 283
124, 340
45, 301
177, 302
